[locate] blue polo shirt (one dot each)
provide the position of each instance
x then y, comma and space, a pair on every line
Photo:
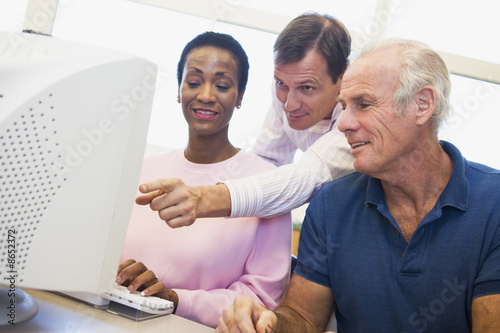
350, 243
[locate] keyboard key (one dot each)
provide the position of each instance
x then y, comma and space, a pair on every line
150, 304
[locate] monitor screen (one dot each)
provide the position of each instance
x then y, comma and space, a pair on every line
73, 128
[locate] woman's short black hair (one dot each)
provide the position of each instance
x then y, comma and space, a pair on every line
220, 41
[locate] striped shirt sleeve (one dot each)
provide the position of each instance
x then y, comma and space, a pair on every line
280, 190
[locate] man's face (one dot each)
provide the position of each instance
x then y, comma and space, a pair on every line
380, 139
306, 91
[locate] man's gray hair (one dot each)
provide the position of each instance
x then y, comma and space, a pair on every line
421, 66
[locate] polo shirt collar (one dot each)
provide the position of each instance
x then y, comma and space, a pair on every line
455, 194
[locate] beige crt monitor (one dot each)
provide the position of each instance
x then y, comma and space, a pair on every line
73, 127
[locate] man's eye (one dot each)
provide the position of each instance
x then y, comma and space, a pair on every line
364, 106
308, 88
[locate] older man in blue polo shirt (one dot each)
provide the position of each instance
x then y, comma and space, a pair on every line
411, 241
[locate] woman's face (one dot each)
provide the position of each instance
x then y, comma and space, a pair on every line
209, 90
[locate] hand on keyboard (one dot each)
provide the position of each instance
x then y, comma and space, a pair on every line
150, 304
135, 275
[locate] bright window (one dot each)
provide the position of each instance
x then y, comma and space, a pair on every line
459, 27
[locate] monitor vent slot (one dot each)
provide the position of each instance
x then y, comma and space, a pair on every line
29, 179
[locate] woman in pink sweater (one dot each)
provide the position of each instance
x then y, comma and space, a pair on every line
203, 267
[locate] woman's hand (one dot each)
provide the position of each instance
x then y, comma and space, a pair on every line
136, 276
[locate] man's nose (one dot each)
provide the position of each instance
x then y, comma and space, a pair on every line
348, 121
292, 102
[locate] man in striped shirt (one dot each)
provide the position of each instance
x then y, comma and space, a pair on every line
311, 55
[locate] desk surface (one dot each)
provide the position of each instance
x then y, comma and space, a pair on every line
60, 314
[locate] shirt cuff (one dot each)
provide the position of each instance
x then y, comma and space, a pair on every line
184, 305
246, 196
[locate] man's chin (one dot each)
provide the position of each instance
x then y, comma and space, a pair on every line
298, 125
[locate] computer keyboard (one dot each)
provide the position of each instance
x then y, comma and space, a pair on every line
150, 304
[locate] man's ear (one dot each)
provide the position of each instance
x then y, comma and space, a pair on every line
426, 99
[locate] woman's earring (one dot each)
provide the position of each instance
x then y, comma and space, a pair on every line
178, 99
238, 106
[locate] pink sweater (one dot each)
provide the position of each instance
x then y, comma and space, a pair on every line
211, 262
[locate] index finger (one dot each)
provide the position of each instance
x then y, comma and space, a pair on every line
163, 184
155, 188
146, 199
125, 264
